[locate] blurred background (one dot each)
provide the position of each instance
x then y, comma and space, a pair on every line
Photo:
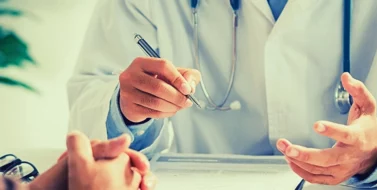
53, 31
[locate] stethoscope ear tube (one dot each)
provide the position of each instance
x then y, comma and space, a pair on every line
343, 100
235, 4
194, 4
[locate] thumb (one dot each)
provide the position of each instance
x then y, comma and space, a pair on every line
192, 76
79, 149
360, 94
112, 148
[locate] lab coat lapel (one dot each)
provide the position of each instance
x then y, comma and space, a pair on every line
279, 125
264, 8
292, 9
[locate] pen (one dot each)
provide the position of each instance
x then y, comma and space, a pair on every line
150, 52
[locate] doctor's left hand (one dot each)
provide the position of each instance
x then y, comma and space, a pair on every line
355, 150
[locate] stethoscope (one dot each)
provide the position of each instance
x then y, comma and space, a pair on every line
342, 98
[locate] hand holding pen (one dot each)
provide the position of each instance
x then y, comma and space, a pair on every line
152, 87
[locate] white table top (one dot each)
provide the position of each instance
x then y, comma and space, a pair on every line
43, 159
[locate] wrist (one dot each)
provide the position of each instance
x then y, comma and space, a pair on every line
54, 178
368, 170
126, 121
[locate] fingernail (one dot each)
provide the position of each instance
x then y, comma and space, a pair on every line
292, 152
185, 88
282, 146
188, 103
320, 127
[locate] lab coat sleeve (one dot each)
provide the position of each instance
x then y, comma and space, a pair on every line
363, 181
150, 137
371, 180
109, 47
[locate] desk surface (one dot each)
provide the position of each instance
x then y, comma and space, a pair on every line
43, 159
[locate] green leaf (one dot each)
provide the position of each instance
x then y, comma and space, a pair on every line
13, 51
10, 12
11, 82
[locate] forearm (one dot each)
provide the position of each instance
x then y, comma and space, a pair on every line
55, 178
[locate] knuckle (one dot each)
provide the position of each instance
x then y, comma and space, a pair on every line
140, 80
121, 77
158, 88
138, 60
124, 76
348, 137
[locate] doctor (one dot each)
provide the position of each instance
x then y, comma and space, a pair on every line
266, 72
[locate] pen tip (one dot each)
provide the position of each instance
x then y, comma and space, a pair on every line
137, 37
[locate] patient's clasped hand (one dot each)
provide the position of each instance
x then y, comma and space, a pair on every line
94, 165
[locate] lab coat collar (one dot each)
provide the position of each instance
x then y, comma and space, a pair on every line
264, 8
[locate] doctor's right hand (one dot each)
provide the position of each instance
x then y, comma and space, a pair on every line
155, 88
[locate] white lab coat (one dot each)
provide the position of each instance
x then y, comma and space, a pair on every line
285, 76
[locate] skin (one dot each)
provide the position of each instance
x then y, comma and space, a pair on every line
102, 161
355, 150
155, 88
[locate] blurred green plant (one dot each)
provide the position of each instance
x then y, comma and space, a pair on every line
13, 50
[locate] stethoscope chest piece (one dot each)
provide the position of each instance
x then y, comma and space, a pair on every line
343, 100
